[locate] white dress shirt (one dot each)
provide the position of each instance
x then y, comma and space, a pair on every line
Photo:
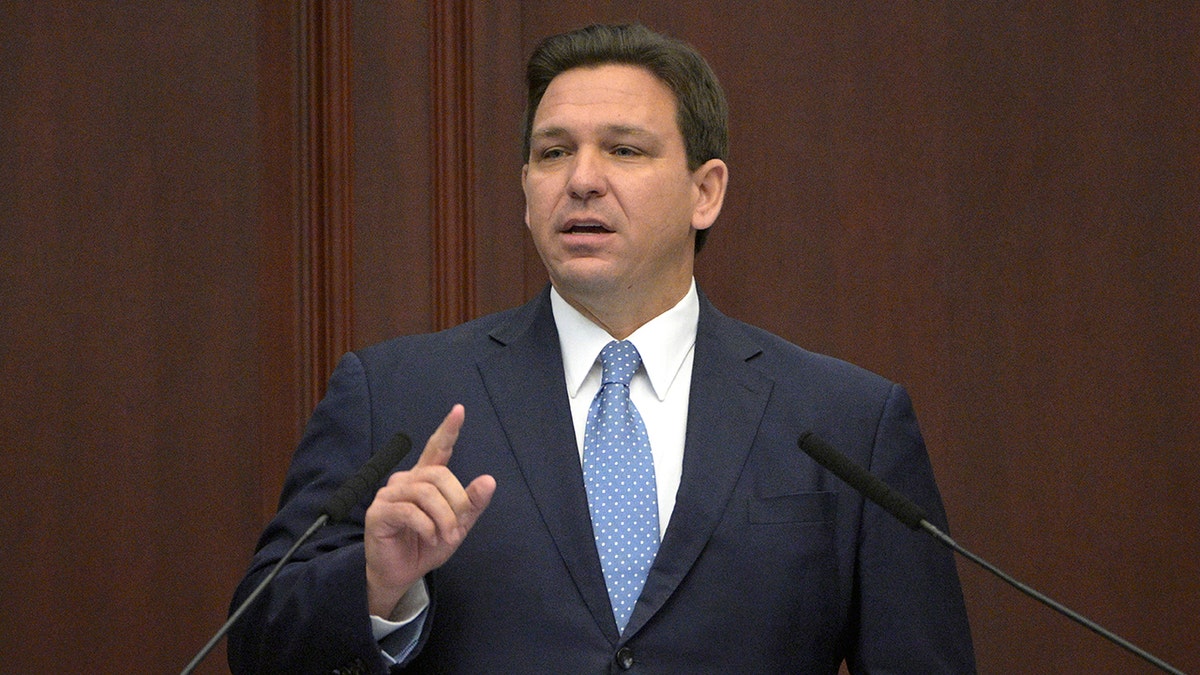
659, 388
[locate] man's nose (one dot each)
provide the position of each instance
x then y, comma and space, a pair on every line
587, 177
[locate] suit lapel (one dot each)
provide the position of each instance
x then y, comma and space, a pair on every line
525, 383
727, 402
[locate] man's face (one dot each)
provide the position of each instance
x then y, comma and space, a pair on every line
610, 201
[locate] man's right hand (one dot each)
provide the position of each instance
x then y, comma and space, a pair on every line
419, 519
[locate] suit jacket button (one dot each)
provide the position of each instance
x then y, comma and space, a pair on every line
625, 658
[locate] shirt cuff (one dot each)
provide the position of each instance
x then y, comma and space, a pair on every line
410, 606
396, 644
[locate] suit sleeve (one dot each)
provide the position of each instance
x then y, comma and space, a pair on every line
314, 616
911, 616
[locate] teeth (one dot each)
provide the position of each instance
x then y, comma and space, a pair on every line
587, 228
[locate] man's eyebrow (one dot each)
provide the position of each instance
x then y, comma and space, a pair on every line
627, 130
549, 132
612, 129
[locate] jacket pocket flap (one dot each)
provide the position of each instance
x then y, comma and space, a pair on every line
802, 507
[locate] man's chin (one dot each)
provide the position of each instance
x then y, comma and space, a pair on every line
586, 278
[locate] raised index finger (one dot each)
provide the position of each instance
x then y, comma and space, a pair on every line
441, 444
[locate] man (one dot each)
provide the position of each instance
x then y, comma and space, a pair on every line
498, 548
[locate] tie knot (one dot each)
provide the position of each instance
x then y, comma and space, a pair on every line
620, 360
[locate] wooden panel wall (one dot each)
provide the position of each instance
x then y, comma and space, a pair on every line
131, 200
201, 204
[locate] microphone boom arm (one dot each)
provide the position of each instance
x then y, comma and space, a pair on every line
906, 511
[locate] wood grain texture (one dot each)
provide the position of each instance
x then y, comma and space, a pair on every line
203, 204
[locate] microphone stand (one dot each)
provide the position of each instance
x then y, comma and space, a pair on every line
906, 511
352, 491
317, 524
1050, 602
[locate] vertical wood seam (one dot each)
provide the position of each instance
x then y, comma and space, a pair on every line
325, 203
452, 208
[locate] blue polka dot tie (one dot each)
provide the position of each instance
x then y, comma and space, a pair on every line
618, 471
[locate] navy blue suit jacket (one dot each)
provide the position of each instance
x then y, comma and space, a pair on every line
769, 564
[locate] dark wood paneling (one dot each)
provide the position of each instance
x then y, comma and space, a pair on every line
995, 206
393, 246
284, 400
451, 74
177, 286
129, 249
326, 154
1071, 284
431, 238
501, 239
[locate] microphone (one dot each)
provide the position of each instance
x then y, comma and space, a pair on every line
901, 507
354, 490
906, 511
360, 484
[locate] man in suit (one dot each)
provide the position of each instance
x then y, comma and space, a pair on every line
490, 551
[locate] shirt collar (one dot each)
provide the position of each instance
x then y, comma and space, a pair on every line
664, 342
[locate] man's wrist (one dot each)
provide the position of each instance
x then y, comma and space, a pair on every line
411, 603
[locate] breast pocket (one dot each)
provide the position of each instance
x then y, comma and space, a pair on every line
799, 508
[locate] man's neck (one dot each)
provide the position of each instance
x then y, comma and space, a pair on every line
618, 316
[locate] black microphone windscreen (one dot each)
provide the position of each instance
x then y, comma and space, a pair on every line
360, 484
903, 508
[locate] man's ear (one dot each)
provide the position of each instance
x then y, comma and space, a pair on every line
710, 181
525, 177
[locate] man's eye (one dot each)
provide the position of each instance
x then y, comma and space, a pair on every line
553, 153
626, 151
